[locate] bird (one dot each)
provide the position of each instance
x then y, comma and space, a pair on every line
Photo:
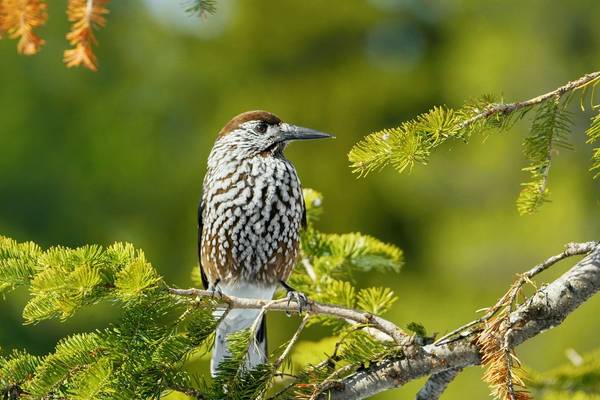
250, 215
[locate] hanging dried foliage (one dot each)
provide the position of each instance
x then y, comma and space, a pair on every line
19, 19
503, 372
86, 16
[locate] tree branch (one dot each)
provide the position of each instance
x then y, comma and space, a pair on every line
437, 383
443, 360
571, 249
360, 317
547, 308
509, 108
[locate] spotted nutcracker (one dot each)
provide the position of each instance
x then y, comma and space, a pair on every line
249, 220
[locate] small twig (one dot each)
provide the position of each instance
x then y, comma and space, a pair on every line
508, 360
282, 375
376, 334
313, 307
509, 108
291, 343
574, 357
329, 381
262, 312
571, 249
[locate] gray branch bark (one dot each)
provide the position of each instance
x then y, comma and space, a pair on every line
547, 308
437, 383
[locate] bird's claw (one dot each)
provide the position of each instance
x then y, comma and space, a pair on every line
300, 299
216, 290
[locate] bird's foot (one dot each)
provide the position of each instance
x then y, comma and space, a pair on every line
300, 299
216, 289
296, 296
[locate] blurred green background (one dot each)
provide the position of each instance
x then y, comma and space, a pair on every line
119, 155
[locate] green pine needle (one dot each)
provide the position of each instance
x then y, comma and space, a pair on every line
93, 382
18, 263
549, 131
352, 250
134, 278
402, 147
412, 142
361, 348
200, 7
70, 356
17, 369
593, 137
376, 300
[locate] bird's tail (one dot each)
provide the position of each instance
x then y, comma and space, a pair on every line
235, 321
240, 319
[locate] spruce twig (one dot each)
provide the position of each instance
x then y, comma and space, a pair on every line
509, 108
286, 352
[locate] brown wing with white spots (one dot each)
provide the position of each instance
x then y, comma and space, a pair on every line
205, 282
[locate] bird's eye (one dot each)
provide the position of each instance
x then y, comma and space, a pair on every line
261, 127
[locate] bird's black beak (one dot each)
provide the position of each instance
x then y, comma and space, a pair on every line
293, 132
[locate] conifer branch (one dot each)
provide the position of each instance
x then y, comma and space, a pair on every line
413, 141
546, 309
509, 108
201, 8
548, 132
160, 327
145, 351
593, 137
314, 308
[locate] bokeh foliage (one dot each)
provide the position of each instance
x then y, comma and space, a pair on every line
119, 155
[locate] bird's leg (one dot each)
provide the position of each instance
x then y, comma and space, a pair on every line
215, 288
299, 297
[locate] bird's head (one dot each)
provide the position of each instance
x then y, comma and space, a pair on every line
255, 133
